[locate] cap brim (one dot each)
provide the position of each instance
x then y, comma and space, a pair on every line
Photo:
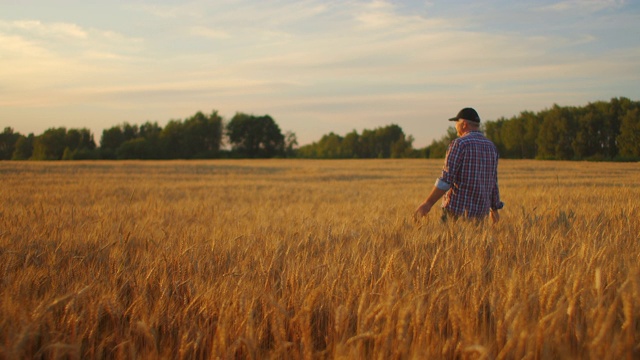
458, 118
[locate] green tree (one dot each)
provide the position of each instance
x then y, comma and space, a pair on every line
557, 132
493, 130
79, 145
150, 130
152, 133
8, 140
81, 154
367, 144
350, 147
255, 136
512, 134
390, 141
80, 139
590, 138
420, 153
290, 144
138, 148
329, 146
24, 148
115, 136
532, 129
308, 151
403, 147
629, 138
617, 108
202, 136
50, 145
172, 139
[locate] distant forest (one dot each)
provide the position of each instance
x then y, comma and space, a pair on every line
601, 131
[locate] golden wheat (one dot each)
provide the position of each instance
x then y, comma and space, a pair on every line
314, 259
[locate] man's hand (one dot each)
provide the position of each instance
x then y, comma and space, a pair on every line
422, 211
426, 206
495, 217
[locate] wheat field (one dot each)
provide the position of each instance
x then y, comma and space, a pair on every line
303, 259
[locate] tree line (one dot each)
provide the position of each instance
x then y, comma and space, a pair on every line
598, 131
383, 142
197, 137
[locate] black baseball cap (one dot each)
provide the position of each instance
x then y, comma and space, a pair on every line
467, 114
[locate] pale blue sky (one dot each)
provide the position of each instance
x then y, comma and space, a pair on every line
314, 66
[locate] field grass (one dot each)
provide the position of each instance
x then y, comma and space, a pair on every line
314, 259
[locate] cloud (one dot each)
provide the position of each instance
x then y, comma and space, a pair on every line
375, 15
362, 47
26, 63
164, 11
64, 37
45, 30
41, 61
307, 44
14, 45
209, 32
584, 5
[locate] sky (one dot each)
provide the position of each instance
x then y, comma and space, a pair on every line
314, 66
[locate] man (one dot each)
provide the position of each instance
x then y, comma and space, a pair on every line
469, 181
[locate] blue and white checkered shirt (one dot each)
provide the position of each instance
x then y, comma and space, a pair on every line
470, 175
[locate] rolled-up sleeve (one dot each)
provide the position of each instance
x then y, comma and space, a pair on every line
452, 164
440, 184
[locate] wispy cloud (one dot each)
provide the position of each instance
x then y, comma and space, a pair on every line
40, 57
585, 5
168, 11
62, 35
45, 30
210, 33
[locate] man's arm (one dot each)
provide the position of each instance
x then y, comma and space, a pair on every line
431, 200
443, 183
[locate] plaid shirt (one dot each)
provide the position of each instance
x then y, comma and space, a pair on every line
471, 169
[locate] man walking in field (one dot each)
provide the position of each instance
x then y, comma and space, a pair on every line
469, 181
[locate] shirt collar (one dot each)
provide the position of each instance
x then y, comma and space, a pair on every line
471, 132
